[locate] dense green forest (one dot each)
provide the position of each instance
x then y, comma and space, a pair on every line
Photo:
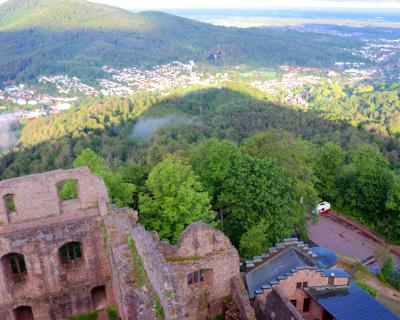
77, 38
373, 107
237, 161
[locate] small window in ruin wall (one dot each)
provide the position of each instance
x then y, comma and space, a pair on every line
67, 190
10, 206
14, 266
306, 304
70, 252
196, 277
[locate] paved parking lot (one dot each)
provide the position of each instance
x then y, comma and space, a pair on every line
341, 237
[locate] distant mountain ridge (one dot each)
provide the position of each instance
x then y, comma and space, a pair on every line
78, 37
70, 14
56, 15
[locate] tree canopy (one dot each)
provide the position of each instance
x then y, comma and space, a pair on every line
174, 199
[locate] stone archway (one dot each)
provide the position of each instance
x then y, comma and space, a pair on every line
23, 313
99, 297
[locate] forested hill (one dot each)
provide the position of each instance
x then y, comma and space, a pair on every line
251, 155
78, 37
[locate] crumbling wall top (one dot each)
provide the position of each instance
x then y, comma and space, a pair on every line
198, 239
37, 196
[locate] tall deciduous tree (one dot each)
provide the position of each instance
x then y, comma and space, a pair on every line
365, 182
327, 167
292, 154
175, 198
120, 192
247, 191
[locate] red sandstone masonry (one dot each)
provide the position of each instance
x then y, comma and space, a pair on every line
132, 302
202, 247
36, 196
41, 226
241, 299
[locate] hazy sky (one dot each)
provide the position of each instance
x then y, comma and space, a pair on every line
163, 4
251, 4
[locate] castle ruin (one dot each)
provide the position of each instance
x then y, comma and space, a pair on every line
64, 258
65, 251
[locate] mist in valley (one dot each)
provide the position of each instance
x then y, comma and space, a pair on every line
146, 127
7, 136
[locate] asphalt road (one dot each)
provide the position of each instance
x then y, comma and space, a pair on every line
341, 238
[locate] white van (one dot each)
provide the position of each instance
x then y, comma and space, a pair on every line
322, 208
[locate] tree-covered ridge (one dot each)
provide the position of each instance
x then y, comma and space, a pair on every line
67, 14
374, 107
256, 161
77, 37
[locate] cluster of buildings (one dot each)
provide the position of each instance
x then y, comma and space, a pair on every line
61, 258
30, 104
294, 79
121, 82
172, 75
69, 85
380, 51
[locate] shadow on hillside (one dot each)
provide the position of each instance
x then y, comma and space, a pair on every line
208, 113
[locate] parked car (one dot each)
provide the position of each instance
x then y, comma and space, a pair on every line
322, 208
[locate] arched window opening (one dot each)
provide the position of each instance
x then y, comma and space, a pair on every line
99, 297
10, 206
14, 266
23, 313
70, 252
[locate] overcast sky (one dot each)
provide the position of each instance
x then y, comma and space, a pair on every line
250, 4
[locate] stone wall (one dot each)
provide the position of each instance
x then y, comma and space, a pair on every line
274, 305
40, 226
133, 303
36, 196
158, 271
241, 299
116, 254
55, 290
201, 248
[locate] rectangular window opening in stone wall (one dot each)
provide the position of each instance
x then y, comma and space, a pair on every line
68, 190
306, 304
200, 276
10, 206
70, 252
